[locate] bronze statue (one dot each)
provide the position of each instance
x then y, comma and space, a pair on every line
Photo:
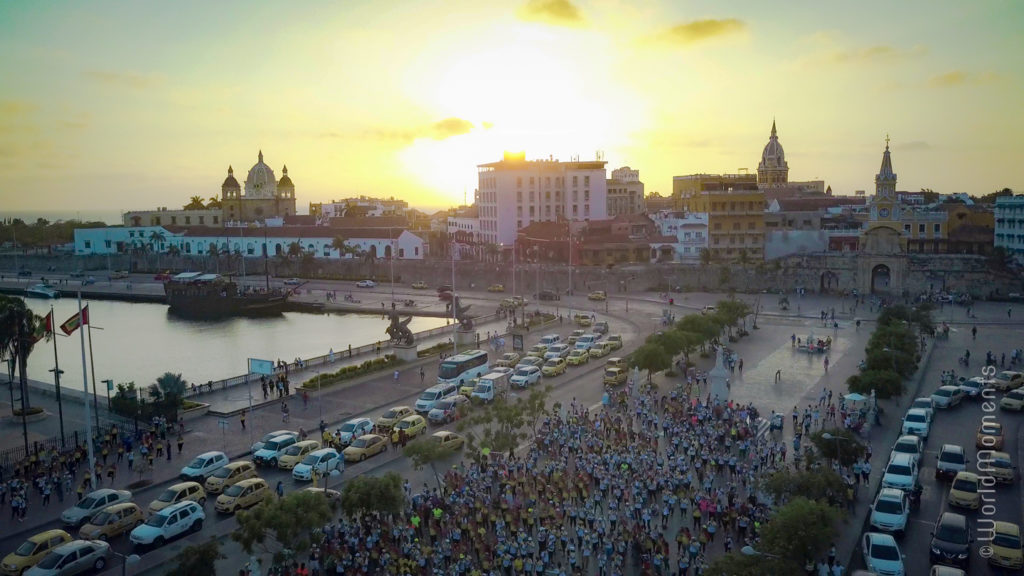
399, 330
461, 316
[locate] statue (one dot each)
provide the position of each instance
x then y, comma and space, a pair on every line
399, 330
465, 322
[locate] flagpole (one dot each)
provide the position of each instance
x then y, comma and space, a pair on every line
92, 366
56, 375
85, 388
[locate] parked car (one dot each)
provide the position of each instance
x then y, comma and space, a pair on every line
392, 416
1008, 380
901, 473
972, 387
890, 511
232, 473
366, 284
950, 461
496, 288
578, 357
24, 272
92, 503
364, 447
1006, 546
548, 295
119, 275
203, 466
245, 494
908, 444
321, 461
947, 396
412, 425
170, 523
525, 376
178, 493
963, 492
77, 274
882, 554
554, 367
354, 429
273, 450
1013, 400
990, 436
75, 557
940, 570
509, 359
419, 285
293, 281
163, 276
925, 403
112, 521
256, 447
447, 410
951, 541
296, 453
998, 465
447, 439
917, 422
32, 550
708, 310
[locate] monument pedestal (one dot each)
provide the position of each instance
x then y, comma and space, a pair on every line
464, 338
405, 352
718, 378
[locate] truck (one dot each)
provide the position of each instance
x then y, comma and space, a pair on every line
491, 386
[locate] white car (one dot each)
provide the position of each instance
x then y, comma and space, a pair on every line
366, 284
293, 282
268, 437
323, 461
973, 387
917, 422
908, 444
882, 554
204, 465
557, 351
354, 429
525, 376
901, 473
169, 523
925, 403
75, 557
947, 396
890, 511
273, 450
92, 503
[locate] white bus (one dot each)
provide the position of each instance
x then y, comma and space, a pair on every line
462, 367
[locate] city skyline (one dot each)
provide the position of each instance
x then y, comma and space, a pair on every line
133, 107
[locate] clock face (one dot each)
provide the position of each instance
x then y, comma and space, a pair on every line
883, 212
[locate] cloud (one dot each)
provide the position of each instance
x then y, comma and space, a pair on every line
701, 30
912, 145
121, 79
556, 12
440, 130
961, 78
451, 127
877, 53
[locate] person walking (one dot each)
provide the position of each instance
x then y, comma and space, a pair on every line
242, 418
423, 375
181, 443
826, 364
396, 376
168, 448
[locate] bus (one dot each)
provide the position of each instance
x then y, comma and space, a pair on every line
462, 367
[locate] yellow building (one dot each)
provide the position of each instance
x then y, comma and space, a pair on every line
735, 209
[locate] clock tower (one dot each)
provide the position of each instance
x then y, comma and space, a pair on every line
885, 208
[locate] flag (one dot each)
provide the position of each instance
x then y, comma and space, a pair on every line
76, 321
45, 329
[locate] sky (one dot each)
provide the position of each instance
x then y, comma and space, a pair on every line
133, 105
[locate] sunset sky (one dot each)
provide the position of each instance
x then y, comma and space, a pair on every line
133, 105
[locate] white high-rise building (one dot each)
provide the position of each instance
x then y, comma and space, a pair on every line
515, 191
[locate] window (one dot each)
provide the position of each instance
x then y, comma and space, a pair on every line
547, 196
107, 243
531, 195
531, 181
547, 181
718, 226
547, 211
586, 180
519, 211
174, 219
715, 241
686, 235
752, 225
88, 244
401, 252
558, 196
531, 211
519, 182
201, 218
216, 219
906, 228
586, 210
416, 250
188, 219
575, 195
938, 228
735, 225
920, 228
574, 181
586, 195
575, 210
131, 234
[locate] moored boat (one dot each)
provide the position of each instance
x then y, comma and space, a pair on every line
42, 291
212, 295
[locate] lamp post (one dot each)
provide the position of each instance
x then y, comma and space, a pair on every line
838, 439
10, 380
750, 551
391, 239
60, 406
455, 324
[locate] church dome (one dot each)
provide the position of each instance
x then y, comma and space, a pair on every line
260, 183
285, 181
230, 183
773, 169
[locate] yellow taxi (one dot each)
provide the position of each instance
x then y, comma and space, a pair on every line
615, 340
600, 349
584, 320
554, 367
997, 465
244, 494
574, 336
508, 360
449, 440
233, 473
1008, 380
616, 362
990, 436
1013, 400
963, 492
419, 285
538, 350
412, 425
614, 376
392, 416
179, 493
31, 551
1006, 546
496, 288
112, 521
578, 357
295, 453
365, 446
467, 388
597, 296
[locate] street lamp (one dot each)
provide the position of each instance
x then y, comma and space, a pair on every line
750, 551
10, 380
838, 439
57, 372
126, 560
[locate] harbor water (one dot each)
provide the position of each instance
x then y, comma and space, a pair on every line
134, 342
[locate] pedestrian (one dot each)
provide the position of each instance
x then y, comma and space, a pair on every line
974, 332
778, 375
396, 376
826, 364
181, 443
1009, 312
285, 416
168, 448
242, 418
280, 489
131, 460
305, 399
423, 375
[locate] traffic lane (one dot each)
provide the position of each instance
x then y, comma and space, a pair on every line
958, 426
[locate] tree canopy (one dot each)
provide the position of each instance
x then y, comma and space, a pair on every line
365, 494
198, 559
501, 425
280, 523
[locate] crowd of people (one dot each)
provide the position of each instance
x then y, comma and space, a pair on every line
650, 485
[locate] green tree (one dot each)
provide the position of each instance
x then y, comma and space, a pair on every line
198, 559
650, 357
801, 530
849, 449
884, 383
425, 451
282, 523
368, 494
20, 329
495, 427
167, 393
821, 483
730, 312
213, 203
737, 564
195, 203
295, 251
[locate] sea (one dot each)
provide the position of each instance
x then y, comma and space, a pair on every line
137, 342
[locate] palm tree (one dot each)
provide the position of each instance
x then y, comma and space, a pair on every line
705, 262
195, 203
213, 203
295, 250
20, 329
339, 244
214, 254
156, 243
491, 250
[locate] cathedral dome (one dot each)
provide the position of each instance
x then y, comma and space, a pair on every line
260, 183
773, 169
230, 183
285, 181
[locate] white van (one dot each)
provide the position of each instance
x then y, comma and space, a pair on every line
491, 386
550, 340
431, 396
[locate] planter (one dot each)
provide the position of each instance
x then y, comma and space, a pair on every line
195, 413
32, 416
